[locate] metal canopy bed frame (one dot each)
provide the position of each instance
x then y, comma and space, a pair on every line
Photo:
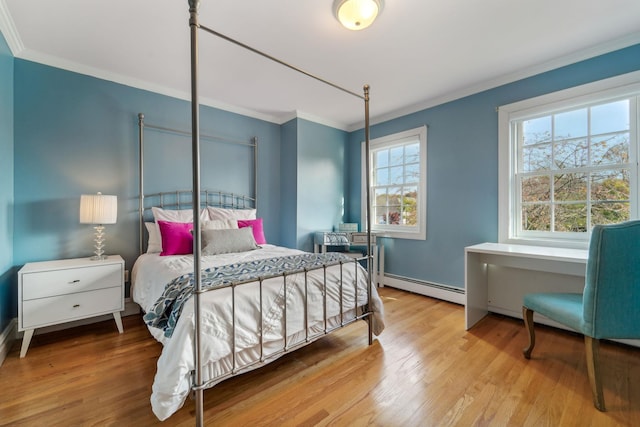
198, 384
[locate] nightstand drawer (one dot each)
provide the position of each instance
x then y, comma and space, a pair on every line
45, 311
361, 238
66, 281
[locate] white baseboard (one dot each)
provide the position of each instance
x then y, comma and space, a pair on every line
7, 338
10, 333
434, 290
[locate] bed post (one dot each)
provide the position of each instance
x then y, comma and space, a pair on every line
195, 147
368, 187
141, 180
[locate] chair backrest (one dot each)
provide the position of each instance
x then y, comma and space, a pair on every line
612, 286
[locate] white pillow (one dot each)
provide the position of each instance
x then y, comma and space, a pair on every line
217, 214
219, 224
154, 244
182, 215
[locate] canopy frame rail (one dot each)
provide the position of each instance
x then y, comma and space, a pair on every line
142, 126
194, 26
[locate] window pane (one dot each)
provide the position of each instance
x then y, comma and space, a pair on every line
396, 156
381, 159
570, 187
571, 124
411, 173
536, 130
409, 206
396, 175
571, 153
536, 189
536, 158
536, 217
612, 117
611, 149
610, 185
380, 215
412, 153
393, 216
381, 197
571, 217
381, 177
609, 213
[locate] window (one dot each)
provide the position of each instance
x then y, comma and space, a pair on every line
568, 162
398, 184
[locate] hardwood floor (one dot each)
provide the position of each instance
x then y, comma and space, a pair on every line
424, 370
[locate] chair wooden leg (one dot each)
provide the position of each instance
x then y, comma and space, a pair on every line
592, 346
527, 315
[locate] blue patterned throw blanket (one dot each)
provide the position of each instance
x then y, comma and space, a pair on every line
165, 312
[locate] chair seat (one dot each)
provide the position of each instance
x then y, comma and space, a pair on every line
563, 308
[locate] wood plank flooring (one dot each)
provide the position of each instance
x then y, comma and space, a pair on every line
424, 370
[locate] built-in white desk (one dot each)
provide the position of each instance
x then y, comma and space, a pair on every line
545, 259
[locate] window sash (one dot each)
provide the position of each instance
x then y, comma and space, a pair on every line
514, 171
391, 191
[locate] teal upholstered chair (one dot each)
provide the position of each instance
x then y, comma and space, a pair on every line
609, 306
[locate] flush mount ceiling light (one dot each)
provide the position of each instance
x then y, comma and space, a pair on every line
357, 14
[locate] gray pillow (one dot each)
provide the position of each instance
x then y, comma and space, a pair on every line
226, 241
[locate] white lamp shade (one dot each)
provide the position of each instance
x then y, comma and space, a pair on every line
98, 209
357, 14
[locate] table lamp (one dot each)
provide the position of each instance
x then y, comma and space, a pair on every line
98, 209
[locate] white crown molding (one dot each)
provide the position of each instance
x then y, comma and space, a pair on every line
75, 67
9, 31
573, 58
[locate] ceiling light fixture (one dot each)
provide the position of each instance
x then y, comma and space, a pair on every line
357, 14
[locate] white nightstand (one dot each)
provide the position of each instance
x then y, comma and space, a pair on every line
54, 292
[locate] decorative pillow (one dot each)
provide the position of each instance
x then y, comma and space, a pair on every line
256, 226
226, 214
176, 238
175, 215
227, 241
154, 244
219, 224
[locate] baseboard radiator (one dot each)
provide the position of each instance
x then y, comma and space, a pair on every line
435, 290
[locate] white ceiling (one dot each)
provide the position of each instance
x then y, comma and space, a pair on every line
417, 54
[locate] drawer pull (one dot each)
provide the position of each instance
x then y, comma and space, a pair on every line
74, 281
76, 305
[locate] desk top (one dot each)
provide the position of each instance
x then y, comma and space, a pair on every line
529, 251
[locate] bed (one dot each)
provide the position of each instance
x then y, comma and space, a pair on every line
220, 312
262, 319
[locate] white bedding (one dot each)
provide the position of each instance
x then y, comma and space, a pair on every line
171, 386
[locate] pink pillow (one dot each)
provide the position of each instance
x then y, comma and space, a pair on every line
258, 230
176, 238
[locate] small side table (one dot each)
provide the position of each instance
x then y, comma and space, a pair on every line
348, 239
54, 292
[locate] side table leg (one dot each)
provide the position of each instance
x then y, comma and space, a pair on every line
26, 340
118, 319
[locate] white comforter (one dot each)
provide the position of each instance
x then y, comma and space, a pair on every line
171, 386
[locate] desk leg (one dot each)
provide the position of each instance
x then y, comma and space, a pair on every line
476, 289
374, 265
381, 266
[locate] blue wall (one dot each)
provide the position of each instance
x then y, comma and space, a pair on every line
77, 134
462, 167
313, 184
8, 294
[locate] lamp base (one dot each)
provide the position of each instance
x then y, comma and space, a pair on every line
99, 245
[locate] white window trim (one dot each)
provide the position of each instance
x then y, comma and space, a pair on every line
394, 231
603, 89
